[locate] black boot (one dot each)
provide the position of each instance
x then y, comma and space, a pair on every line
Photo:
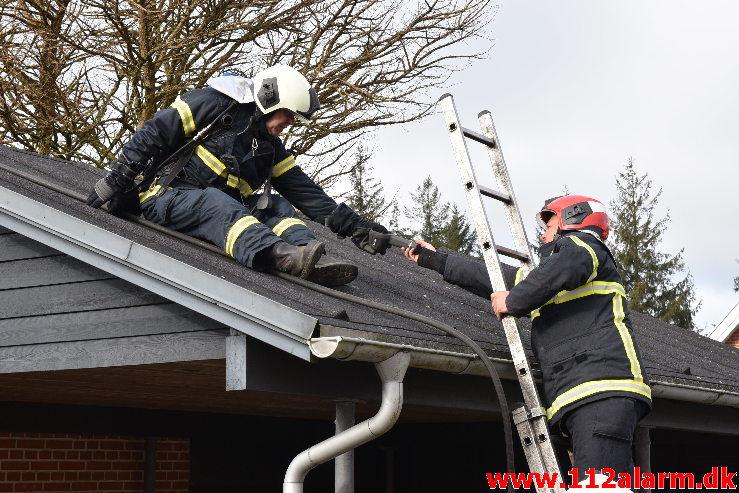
333, 272
298, 261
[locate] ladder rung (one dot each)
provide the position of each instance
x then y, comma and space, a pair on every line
512, 253
478, 137
489, 192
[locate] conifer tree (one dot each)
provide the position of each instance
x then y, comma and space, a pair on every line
648, 274
440, 223
736, 282
366, 194
429, 211
394, 221
458, 234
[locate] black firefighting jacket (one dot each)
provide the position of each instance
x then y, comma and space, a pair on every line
235, 159
580, 330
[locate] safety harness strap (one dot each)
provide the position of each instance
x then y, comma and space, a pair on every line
184, 154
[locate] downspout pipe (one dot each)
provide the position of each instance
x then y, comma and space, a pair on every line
391, 371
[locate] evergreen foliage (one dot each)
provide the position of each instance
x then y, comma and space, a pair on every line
429, 211
458, 233
647, 272
394, 222
366, 195
441, 224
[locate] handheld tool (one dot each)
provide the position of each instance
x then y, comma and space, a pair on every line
382, 241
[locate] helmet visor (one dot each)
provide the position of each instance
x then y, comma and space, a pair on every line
305, 116
543, 217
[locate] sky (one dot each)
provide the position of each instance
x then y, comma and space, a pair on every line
575, 88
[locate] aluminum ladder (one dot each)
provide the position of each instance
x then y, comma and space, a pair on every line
530, 418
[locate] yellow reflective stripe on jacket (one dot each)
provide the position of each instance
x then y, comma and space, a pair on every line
241, 185
188, 122
595, 287
519, 276
211, 161
285, 224
590, 250
618, 318
595, 387
283, 166
236, 230
217, 167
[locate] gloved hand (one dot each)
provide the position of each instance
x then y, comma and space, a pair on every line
119, 203
360, 236
100, 194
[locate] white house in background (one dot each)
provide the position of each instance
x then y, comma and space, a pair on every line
728, 329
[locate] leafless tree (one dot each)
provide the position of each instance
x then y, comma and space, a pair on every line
78, 77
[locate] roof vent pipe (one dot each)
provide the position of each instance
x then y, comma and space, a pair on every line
392, 371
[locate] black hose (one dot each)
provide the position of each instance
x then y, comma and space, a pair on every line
497, 384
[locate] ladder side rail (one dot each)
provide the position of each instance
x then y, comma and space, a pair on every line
474, 200
512, 211
492, 262
540, 456
515, 223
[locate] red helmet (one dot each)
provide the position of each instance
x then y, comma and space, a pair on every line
576, 212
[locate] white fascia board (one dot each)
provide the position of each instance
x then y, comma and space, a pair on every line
235, 306
727, 326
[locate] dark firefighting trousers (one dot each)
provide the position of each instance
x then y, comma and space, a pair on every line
602, 432
239, 229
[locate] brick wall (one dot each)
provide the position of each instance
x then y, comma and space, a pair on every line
50, 463
733, 339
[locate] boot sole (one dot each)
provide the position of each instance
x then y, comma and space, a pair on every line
334, 274
312, 256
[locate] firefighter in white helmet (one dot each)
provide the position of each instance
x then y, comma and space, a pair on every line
212, 195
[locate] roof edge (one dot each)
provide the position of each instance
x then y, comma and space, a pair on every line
727, 326
357, 349
237, 307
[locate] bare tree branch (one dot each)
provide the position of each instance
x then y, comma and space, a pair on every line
77, 78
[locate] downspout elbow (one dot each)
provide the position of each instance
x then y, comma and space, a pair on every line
392, 371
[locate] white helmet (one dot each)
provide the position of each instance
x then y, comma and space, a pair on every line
281, 86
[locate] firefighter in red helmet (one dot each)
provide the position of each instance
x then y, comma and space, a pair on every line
595, 387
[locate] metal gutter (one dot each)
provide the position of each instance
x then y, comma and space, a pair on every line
692, 393
226, 302
358, 349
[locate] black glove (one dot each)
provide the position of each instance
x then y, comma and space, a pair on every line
343, 220
100, 194
119, 203
360, 236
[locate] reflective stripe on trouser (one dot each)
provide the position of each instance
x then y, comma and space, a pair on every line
213, 216
283, 220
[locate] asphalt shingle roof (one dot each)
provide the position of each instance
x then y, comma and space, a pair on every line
671, 354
